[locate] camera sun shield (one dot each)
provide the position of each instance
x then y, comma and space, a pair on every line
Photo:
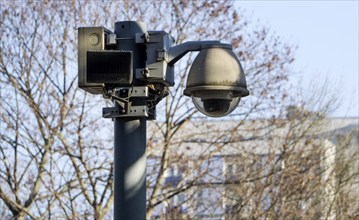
110, 67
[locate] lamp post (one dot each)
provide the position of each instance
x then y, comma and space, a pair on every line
134, 68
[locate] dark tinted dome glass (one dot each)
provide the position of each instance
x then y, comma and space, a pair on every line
216, 106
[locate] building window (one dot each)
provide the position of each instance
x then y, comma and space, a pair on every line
173, 178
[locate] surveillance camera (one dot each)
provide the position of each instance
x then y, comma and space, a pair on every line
98, 63
216, 81
215, 103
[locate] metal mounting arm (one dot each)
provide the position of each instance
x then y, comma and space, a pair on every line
177, 52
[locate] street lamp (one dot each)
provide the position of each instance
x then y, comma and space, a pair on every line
134, 68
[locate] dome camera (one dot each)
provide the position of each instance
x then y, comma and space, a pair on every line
216, 81
215, 103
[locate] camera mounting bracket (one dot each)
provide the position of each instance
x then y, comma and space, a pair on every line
129, 102
135, 101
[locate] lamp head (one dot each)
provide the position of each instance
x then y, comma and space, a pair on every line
216, 81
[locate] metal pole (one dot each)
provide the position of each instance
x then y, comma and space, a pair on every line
130, 140
130, 169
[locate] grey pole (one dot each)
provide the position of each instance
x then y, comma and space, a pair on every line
130, 169
130, 139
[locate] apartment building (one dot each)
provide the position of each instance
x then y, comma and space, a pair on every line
257, 169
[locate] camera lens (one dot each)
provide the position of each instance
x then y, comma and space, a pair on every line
216, 106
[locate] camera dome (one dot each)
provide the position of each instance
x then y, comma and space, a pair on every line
216, 81
220, 104
216, 106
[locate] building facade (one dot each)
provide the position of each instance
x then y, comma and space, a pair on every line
258, 170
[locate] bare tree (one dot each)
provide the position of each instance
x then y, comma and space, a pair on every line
265, 59
55, 160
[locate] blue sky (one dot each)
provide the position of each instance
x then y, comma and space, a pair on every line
326, 33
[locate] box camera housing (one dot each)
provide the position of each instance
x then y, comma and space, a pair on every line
98, 63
